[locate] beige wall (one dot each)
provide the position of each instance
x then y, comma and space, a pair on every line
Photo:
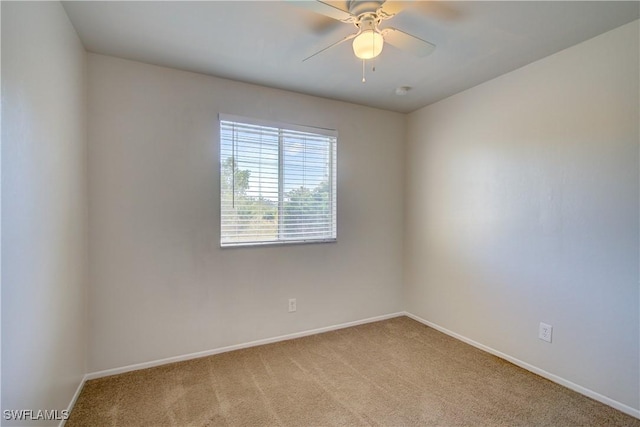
160, 284
44, 207
522, 207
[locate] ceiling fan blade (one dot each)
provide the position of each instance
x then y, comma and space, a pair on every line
325, 9
349, 37
391, 7
407, 42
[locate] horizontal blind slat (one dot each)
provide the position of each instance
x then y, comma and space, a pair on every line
277, 184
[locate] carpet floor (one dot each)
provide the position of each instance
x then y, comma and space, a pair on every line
396, 372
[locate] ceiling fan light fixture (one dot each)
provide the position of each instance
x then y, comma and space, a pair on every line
368, 44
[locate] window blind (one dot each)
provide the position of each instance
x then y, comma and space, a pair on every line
277, 183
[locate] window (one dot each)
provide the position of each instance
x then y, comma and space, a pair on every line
277, 183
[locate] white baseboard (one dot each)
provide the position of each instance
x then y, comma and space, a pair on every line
552, 377
150, 364
74, 399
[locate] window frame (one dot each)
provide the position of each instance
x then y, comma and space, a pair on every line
332, 174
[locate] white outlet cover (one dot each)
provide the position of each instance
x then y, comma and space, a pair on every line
545, 332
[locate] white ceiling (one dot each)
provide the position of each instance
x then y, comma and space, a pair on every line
264, 42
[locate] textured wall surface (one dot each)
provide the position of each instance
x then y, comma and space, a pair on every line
522, 207
44, 207
160, 284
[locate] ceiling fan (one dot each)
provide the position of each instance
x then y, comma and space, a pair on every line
369, 39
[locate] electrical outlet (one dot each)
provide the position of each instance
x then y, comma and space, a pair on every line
545, 331
292, 305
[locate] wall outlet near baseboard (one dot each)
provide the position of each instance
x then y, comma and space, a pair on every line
545, 331
292, 305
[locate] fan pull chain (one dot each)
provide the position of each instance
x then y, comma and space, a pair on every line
373, 69
373, 60
363, 79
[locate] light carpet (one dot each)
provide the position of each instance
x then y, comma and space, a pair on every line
396, 372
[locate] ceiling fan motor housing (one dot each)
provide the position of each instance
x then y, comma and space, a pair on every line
367, 21
357, 8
